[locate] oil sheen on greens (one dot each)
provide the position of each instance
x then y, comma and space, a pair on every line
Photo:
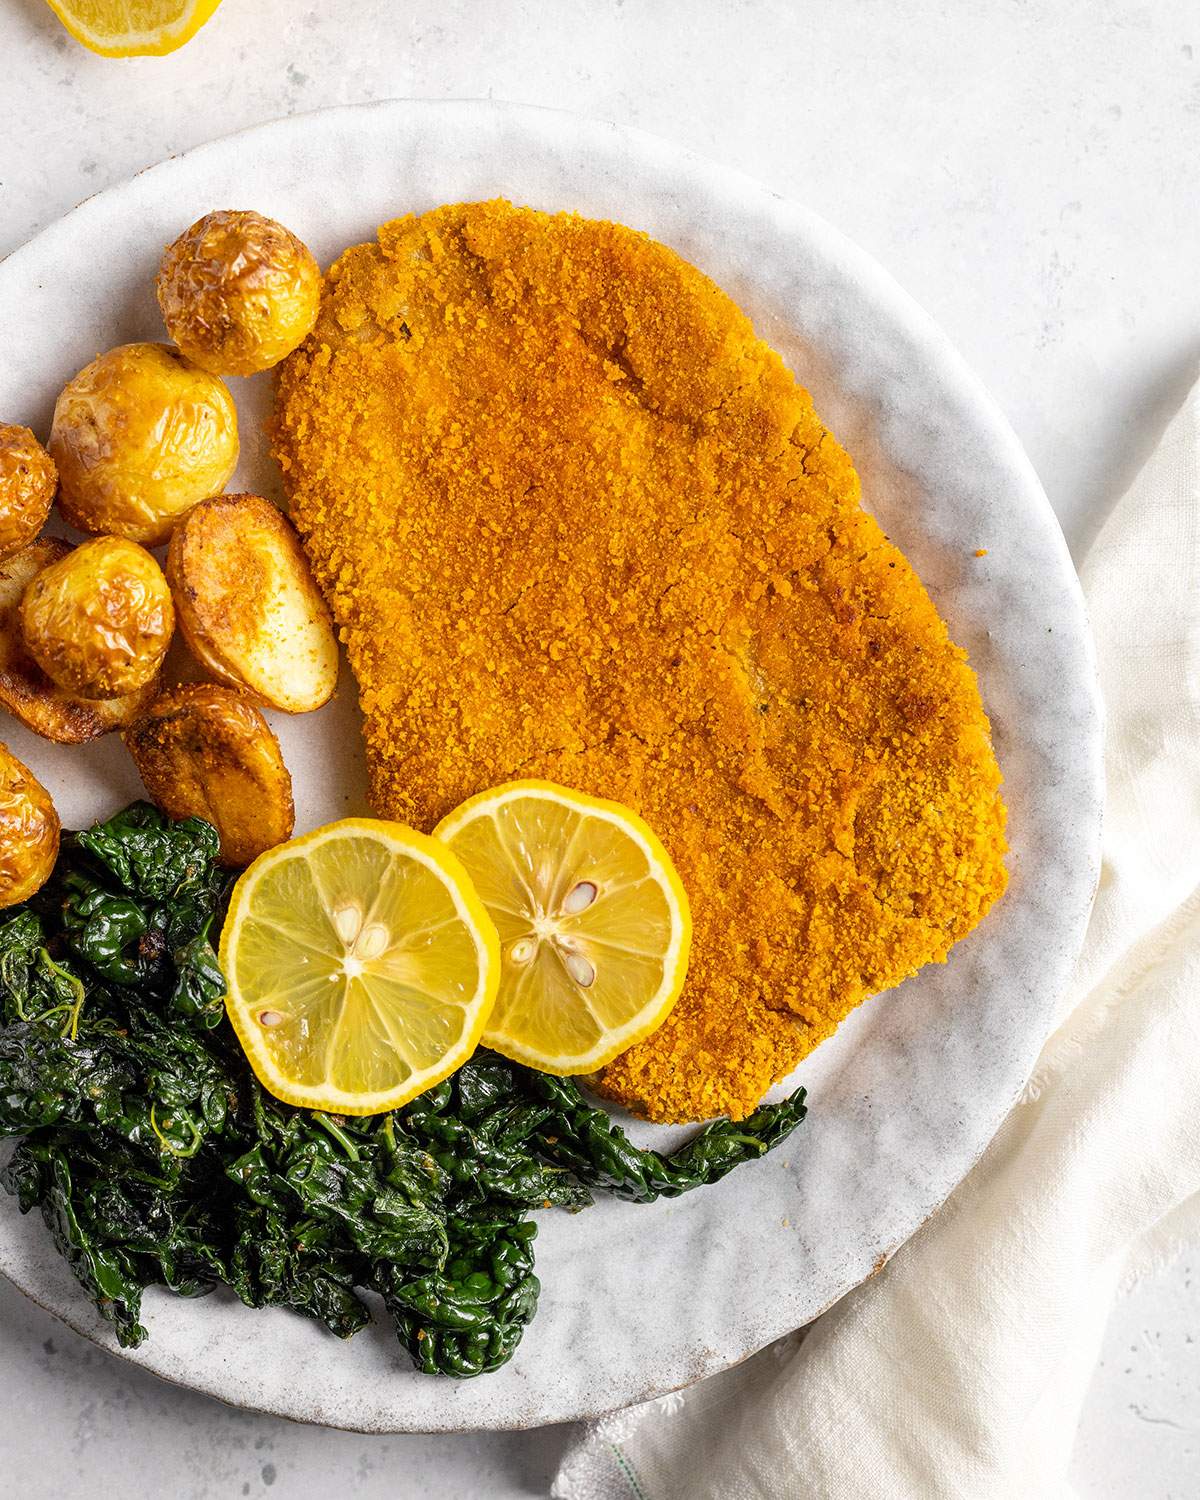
155, 1158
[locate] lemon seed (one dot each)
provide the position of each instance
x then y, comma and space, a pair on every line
580, 897
580, 970
373, 941
347, 922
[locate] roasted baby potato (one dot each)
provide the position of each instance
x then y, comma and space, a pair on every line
29, 830
98, 622
28, 480
139, 436
205, 751
25, 690
238, 292
248, 605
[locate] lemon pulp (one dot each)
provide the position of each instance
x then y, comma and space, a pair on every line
592, 917
361, 966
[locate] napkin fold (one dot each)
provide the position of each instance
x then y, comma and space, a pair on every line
960, 1370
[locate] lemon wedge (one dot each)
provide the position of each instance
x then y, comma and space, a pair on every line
133, 28
361, 966
593, 920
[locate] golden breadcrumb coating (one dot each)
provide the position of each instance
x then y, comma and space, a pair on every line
576, 521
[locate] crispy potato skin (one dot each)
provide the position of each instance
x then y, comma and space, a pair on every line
28, 480
139, 436
205, 751
248, 605
29, 831
25, 690
99, 621
238, 292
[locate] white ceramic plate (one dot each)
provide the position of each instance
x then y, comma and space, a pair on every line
638, 1300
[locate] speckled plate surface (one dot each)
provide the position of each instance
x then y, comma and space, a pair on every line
639, 1300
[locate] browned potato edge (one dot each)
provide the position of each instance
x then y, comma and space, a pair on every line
204, 750
25, 690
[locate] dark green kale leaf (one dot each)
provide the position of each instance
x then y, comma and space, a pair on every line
137, 896
329, 1184
28, 985
56, 1063
152, 858
20, 938
598, 1152
47, 1078
112, 933
479, 1144
277, 1263
198, 993
468, 1318
107, 1271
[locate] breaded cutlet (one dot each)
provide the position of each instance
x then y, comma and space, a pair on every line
576, 521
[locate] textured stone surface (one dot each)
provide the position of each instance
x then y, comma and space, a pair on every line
1006, 176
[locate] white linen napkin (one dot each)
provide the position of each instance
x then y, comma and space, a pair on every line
960, 1370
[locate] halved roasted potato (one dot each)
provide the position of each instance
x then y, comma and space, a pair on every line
205, 751
248, 605
29, 830
25, 690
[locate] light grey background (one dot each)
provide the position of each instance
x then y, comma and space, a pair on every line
1028, 169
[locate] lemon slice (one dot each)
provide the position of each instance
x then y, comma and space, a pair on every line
361, 966
133, 28
593, 920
